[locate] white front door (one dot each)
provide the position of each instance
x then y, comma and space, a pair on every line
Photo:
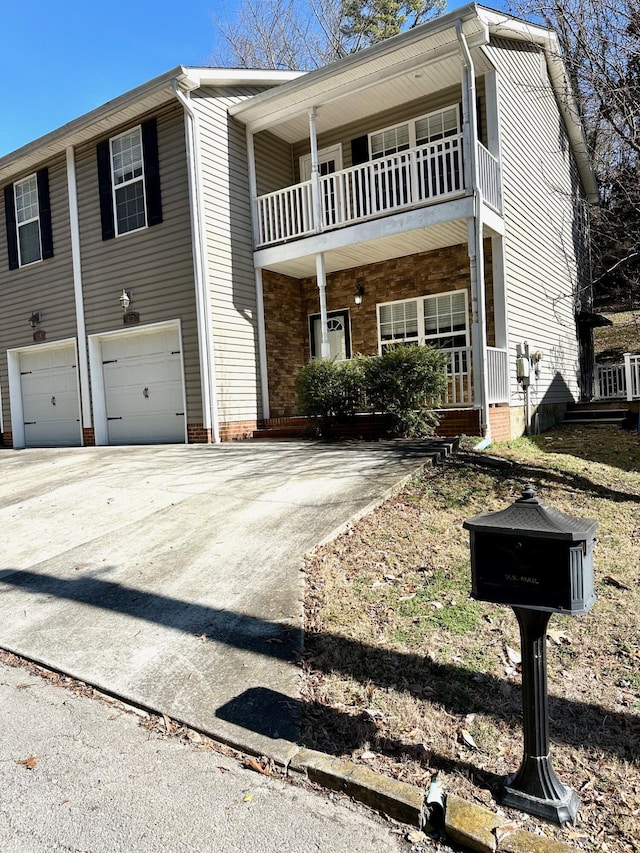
338, 333
49, 395
143, 386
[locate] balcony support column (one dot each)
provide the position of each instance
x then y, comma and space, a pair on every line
315, 172
321, 279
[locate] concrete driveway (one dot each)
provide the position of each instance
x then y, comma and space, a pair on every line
170, 575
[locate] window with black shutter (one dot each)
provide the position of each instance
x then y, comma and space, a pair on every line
129, 181
28, 220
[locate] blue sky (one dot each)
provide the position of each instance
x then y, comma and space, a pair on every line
61, 59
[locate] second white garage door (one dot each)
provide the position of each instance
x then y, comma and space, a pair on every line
143, 387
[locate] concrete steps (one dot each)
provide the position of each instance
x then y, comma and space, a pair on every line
598, 414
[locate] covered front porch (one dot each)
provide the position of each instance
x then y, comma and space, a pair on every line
422, 298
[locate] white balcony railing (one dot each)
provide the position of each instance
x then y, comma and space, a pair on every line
618, 381
498, 375
418, 176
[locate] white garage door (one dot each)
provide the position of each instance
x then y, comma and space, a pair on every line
50, 401
143, 387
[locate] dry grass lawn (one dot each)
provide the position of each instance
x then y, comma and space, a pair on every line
409, 675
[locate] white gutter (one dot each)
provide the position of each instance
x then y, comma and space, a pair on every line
76, 265
476, 253
200, 263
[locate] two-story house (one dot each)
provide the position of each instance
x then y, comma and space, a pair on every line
169, 261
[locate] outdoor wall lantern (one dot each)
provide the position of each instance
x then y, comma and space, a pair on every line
35, 319
359, 294
538, 561
125, 299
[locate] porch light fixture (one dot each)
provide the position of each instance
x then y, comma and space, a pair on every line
35, 319
125, 299
359, 294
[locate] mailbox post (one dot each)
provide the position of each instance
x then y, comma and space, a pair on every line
538, 561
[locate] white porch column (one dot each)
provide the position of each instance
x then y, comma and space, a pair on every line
315, 172
321, 279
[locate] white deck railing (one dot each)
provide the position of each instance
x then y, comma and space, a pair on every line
417, 176
459, 389
619, 381
498, 375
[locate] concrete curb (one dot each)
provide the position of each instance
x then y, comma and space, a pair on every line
467, 824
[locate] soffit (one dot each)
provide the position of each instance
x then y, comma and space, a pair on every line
428, 239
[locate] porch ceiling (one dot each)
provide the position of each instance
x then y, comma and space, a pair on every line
451, 233
402, 69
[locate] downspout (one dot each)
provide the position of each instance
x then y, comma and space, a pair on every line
260, 318
76, 267
476, 251
200, 261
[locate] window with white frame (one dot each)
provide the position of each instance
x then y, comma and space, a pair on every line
28, 220
127, 171
419, 131
440, 321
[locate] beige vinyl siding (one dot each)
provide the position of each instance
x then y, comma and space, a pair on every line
155, 263
44, 286
539, 184
229, 243
274, 163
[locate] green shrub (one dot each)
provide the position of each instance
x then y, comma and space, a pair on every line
405, 383
329, 391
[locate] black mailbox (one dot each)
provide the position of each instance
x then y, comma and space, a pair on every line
538, 561
529, 555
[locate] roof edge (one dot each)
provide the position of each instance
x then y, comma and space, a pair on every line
188, 77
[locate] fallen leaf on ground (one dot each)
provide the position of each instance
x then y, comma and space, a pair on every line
514, 656
29, 762
558, 637
467, 739
254, 764
615, 582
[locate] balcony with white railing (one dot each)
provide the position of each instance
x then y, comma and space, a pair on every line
429, 174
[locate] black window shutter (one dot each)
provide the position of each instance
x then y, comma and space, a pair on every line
104, 188
359, 150
12, 231
151, 171
44, 208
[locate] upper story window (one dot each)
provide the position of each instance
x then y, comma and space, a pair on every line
129, 181
440, 321
127, 170
420, 131
28, 220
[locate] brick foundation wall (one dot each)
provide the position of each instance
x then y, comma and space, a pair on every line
458, 422
197, 434
88, 437
289, 302
237, 430
7, 438
500, 419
